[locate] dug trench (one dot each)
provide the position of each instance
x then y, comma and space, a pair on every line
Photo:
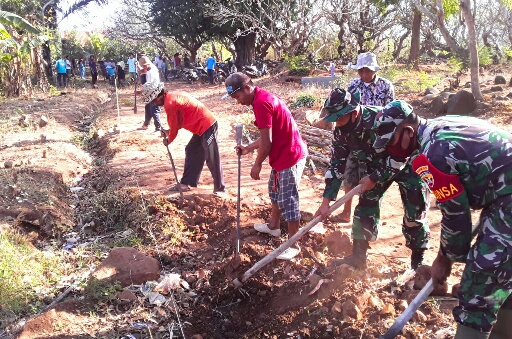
122, 202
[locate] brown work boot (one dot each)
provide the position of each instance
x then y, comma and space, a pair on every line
358, 257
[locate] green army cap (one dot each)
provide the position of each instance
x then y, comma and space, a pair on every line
341, 102
386, 122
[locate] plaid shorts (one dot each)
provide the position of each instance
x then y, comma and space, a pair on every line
351, 176
283, 188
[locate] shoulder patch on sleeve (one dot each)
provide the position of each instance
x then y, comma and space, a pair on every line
444, 186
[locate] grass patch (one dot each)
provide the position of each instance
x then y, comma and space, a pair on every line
26, 274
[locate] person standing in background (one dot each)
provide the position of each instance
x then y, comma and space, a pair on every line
93, 66
210, 68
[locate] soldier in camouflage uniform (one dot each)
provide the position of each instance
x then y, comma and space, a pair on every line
467, 163
353, 137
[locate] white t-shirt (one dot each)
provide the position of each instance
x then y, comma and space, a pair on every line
152, 74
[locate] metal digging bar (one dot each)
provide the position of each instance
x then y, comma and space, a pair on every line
413, 306
263, 262
175, 174
239, 129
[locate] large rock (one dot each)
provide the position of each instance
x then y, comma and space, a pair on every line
500, 80
438, 106
462, 103
128, 266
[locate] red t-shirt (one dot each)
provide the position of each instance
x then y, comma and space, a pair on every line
287, 144
184, 111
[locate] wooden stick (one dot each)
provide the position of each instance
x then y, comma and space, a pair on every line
263, 262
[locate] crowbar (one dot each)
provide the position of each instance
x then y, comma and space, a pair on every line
414, 305
269, 257
174, 170
239, 129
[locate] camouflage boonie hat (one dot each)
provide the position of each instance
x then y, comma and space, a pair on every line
386, 122
341, 102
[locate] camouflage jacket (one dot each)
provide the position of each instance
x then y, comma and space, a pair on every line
357, 144
467, 163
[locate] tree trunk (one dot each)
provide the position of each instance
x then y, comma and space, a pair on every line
414, 52
245, 46
399, 46
438, 19
465, 6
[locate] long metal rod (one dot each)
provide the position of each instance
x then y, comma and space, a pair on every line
263, 262
414, 305
238, 206
175, 174
135, 93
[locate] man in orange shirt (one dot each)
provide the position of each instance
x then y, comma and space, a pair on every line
184, 111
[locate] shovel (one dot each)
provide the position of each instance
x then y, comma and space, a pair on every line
263, 262
239, 129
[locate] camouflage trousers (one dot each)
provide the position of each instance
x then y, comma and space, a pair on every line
415, 201
486, 283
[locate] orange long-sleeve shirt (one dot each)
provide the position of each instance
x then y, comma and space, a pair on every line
185, 111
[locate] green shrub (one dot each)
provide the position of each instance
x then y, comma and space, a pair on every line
305, 100
421, 82
298, 66
485, 56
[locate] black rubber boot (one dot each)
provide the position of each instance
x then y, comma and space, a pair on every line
358, 257
502, 328
417, 258
464, 332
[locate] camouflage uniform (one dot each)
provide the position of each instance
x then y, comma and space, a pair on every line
467, 163
357, 144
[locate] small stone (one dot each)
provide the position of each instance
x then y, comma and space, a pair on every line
127, 295
9, 164
388, 309
43, 121
375, 302
336, 308
43, 138
419, 317
431, 90
248, 323
351, 310
402, 305
314, 279
361, 300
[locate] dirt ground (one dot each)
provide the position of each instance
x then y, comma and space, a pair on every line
279, 301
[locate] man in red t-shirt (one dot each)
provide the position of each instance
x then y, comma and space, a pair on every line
184, 111
281, 142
